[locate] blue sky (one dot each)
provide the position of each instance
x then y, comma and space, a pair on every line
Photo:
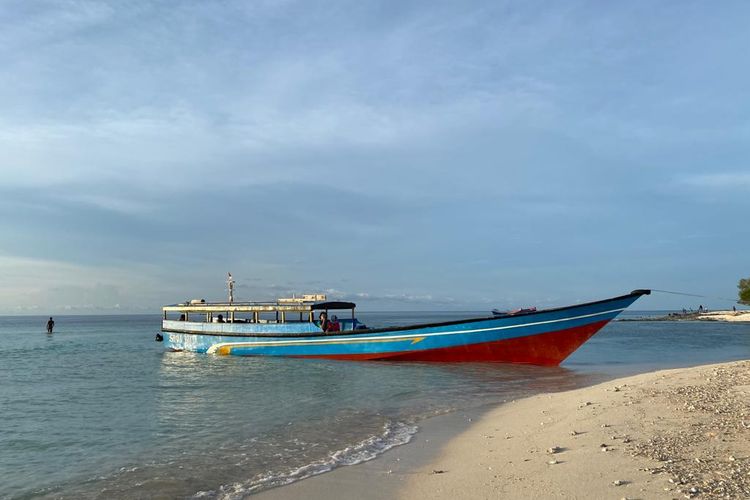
410, 155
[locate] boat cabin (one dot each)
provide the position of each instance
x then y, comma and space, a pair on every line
285, 315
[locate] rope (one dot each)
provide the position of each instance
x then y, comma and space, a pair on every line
734, 301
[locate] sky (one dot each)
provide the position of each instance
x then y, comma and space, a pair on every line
413, 155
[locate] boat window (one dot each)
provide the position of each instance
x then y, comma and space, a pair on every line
267, 317
263, 317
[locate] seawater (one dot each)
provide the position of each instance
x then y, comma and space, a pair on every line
99, 410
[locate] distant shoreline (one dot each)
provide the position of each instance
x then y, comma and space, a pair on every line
721, 316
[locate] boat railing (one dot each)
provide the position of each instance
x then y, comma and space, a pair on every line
293, 310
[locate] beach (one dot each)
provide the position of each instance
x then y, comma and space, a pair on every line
720, 316
679, 433
669, 434
731, 316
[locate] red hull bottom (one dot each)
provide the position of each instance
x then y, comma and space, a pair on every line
543, 349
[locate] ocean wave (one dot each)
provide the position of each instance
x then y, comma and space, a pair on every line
394, 434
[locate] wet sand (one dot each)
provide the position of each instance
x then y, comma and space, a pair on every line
384, 477
681, 433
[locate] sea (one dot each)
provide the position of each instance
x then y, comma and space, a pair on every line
99, 410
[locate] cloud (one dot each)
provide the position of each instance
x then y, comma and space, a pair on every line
51, 287
416, 151
723, 181
254, 108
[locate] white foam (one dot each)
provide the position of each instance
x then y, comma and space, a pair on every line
394, 434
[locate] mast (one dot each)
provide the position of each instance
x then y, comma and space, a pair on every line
230, 287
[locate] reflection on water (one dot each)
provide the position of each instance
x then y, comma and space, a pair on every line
250, 423
108, 414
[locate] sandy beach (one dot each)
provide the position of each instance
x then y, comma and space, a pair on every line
667, 435
731, 316
741, 316
670, 434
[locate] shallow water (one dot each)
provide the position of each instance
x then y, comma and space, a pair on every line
99, 410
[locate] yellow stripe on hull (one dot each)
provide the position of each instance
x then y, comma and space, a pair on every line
226, 349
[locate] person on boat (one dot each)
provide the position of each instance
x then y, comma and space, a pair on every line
220, 319
50, 325
334, 325
324, 323
182, 317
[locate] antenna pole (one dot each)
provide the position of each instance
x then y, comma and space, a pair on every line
230, 286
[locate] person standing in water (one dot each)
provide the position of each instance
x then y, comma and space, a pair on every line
50, 325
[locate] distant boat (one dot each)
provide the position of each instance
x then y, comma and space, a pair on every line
287, 327
497, 312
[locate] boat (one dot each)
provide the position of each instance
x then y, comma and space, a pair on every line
288, 327
498, 312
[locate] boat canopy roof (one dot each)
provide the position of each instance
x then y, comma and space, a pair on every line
294, 304
333, 305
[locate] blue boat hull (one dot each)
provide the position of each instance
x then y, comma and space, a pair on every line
543, 337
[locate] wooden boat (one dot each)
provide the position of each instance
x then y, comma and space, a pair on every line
498, 312
288, 327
